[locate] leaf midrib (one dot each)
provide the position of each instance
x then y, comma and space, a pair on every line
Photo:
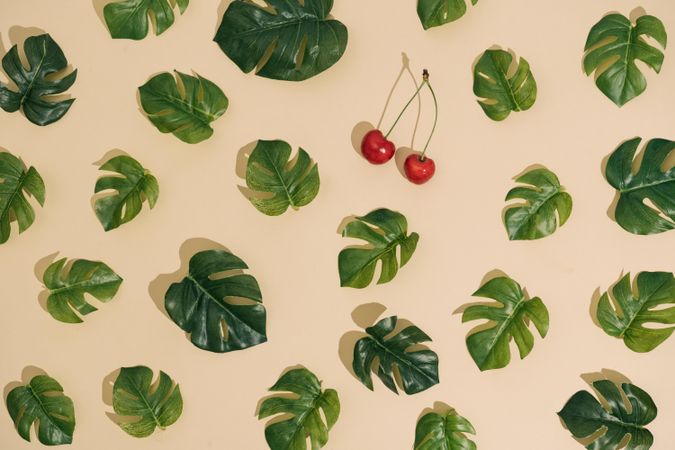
290, 24
647, 185
506, 324
391, 246
505, 82
281, 180
534, 209
44, 410
642, 305
19, 188
76, 285
181, 104
398, 358
142, 397
301, 418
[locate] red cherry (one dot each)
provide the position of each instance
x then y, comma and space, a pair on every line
418, 169
376, 148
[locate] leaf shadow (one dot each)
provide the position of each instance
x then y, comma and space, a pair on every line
98, 6
636, 13
440, 408
241, 167
363, 316
39, 270
105, 158
107, 398
222, 7
491, 275
282, 417
615, 377
593, 310
27, 375
508, 206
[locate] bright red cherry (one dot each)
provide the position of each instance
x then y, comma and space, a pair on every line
376, 148
419, 169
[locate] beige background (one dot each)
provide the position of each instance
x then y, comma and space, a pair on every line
570, 129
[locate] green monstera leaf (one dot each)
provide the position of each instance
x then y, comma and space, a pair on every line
203, 304
385, 231
129, 19
66, 290
300, 416
445, 431
135, 185
499, 93
15, 181
287, 183
652, 303
545, 205
185, 107
585, 416
37, 83
434, 13
147, 406
489, 347
42, 400
418, 368
651, 182
613, 46
289, 40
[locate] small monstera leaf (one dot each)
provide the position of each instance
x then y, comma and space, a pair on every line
289, 40
489, 347
135, 397
186, 109
444, 432
651, 182
301, 412
42, 401
202, 304
499, 93
584, 416
384, 230
37, 83
14, 181
434, 13
544, 198
128, 19
626, 318
66, 290
270, 171
132, 188
418, 368
613, 45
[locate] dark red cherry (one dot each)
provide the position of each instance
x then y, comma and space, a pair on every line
376, 148
419, 169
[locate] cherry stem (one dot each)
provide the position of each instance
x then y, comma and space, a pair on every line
405, 108
433, 129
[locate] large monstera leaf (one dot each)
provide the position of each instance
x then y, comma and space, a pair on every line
129, 19
290, 40
545, 205
204, 305
270, 171
299, 415
384, 230
651, 182
15, 182
614, 44
145, 407
489, 347
37, 83
585, 416
500, 92
445, 431
434, 13
653, 303
132, 186
42, 400
418, 368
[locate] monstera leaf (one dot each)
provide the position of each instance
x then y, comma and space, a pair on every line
651, 182
543, 198
42, 401
434, 13
299, 415
489, 347
614, 45
66, 290
627, 318
584, 416
134, 186
444, 432
289, 40
37, 83
203, 304
290, 184
186, 110
146, 406
499, 93
384, 230
128, 19
14, 181
418, 368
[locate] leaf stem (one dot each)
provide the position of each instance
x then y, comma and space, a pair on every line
433, 129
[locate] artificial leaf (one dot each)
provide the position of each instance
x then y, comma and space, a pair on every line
446, 431
42, 400
652, 182
385, 231
509, 319
66, 290
299, 417
129, 19
434, 13
185, 106
585, 416
270, 171
287, 40
204, 305
147, 406
37, 83
543, 199
613, 46
418, 368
